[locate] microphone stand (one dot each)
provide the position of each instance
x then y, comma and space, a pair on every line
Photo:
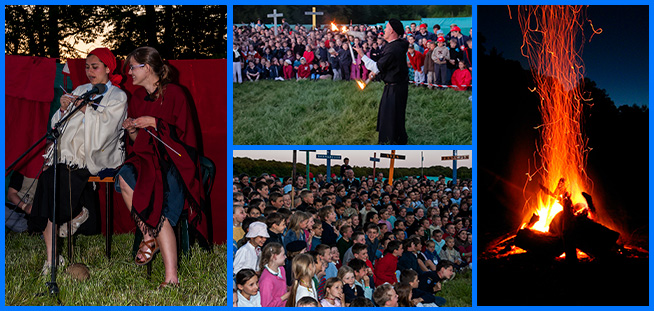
53, 133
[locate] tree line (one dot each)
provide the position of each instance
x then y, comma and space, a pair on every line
176, 31
285, 169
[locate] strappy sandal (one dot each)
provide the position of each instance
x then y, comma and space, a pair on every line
148, 253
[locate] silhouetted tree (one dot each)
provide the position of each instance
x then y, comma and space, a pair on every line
178, 32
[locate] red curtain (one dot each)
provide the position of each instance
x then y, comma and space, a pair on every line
29, 90
205, 81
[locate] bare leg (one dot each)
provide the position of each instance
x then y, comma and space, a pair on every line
168, 246
47, 236
165, 239
127, 192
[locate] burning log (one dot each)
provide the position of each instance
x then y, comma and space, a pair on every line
567, 233
569, 236
593, 238
540, 243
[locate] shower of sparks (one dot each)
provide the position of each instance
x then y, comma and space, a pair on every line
552, 42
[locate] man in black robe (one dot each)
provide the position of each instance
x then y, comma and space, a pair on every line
392, 69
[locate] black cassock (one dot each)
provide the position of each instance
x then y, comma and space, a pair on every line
392, 108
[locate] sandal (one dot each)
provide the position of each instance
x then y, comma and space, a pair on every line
148, 253
167, 284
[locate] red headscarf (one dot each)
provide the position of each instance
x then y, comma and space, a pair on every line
109, 60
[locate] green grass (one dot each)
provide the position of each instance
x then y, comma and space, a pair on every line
338, 113
115, 282
458, 291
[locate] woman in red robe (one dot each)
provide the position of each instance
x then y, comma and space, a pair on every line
161, 176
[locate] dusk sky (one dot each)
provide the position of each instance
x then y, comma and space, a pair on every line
617, 59
361, 157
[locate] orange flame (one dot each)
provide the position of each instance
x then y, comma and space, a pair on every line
580, 255
334, 27
361, 84
344, 29
550, 42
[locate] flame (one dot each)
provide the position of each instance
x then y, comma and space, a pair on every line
546, 214
361, 84
580, 255
334, 27
344, 29
550, 42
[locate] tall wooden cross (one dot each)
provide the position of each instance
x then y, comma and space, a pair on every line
308, 180
274, 16
454, 158
329, 156
392, 156
313, 14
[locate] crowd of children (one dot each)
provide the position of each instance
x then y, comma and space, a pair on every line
349, 242
297, 53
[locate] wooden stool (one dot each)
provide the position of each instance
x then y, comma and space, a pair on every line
109, 181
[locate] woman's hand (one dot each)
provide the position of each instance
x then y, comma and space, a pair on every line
285, 296
145, 121
128, 124
65, 101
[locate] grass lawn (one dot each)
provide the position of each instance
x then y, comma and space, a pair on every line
115, 282
458, 291
339, 113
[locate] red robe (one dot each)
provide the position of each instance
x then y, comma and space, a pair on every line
385, 270
461, 77
309, 56
176, 128
304, 71
416, 60
288, 72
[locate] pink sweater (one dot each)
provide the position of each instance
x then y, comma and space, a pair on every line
272, 288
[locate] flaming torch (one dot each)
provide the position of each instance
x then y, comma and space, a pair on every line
362, 36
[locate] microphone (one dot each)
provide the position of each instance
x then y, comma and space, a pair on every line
97, 89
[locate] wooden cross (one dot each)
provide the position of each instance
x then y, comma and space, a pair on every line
392, 156
453, 158
329, 157
274, 16
313, 14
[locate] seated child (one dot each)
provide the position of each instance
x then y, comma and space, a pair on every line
350, 289
246, 256
248, 288
304, 70
273, 276
334, 293
385, 296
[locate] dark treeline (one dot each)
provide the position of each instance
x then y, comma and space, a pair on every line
177, 31
285, 169
617, 142
342, 14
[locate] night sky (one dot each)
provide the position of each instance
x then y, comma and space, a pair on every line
617, 59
